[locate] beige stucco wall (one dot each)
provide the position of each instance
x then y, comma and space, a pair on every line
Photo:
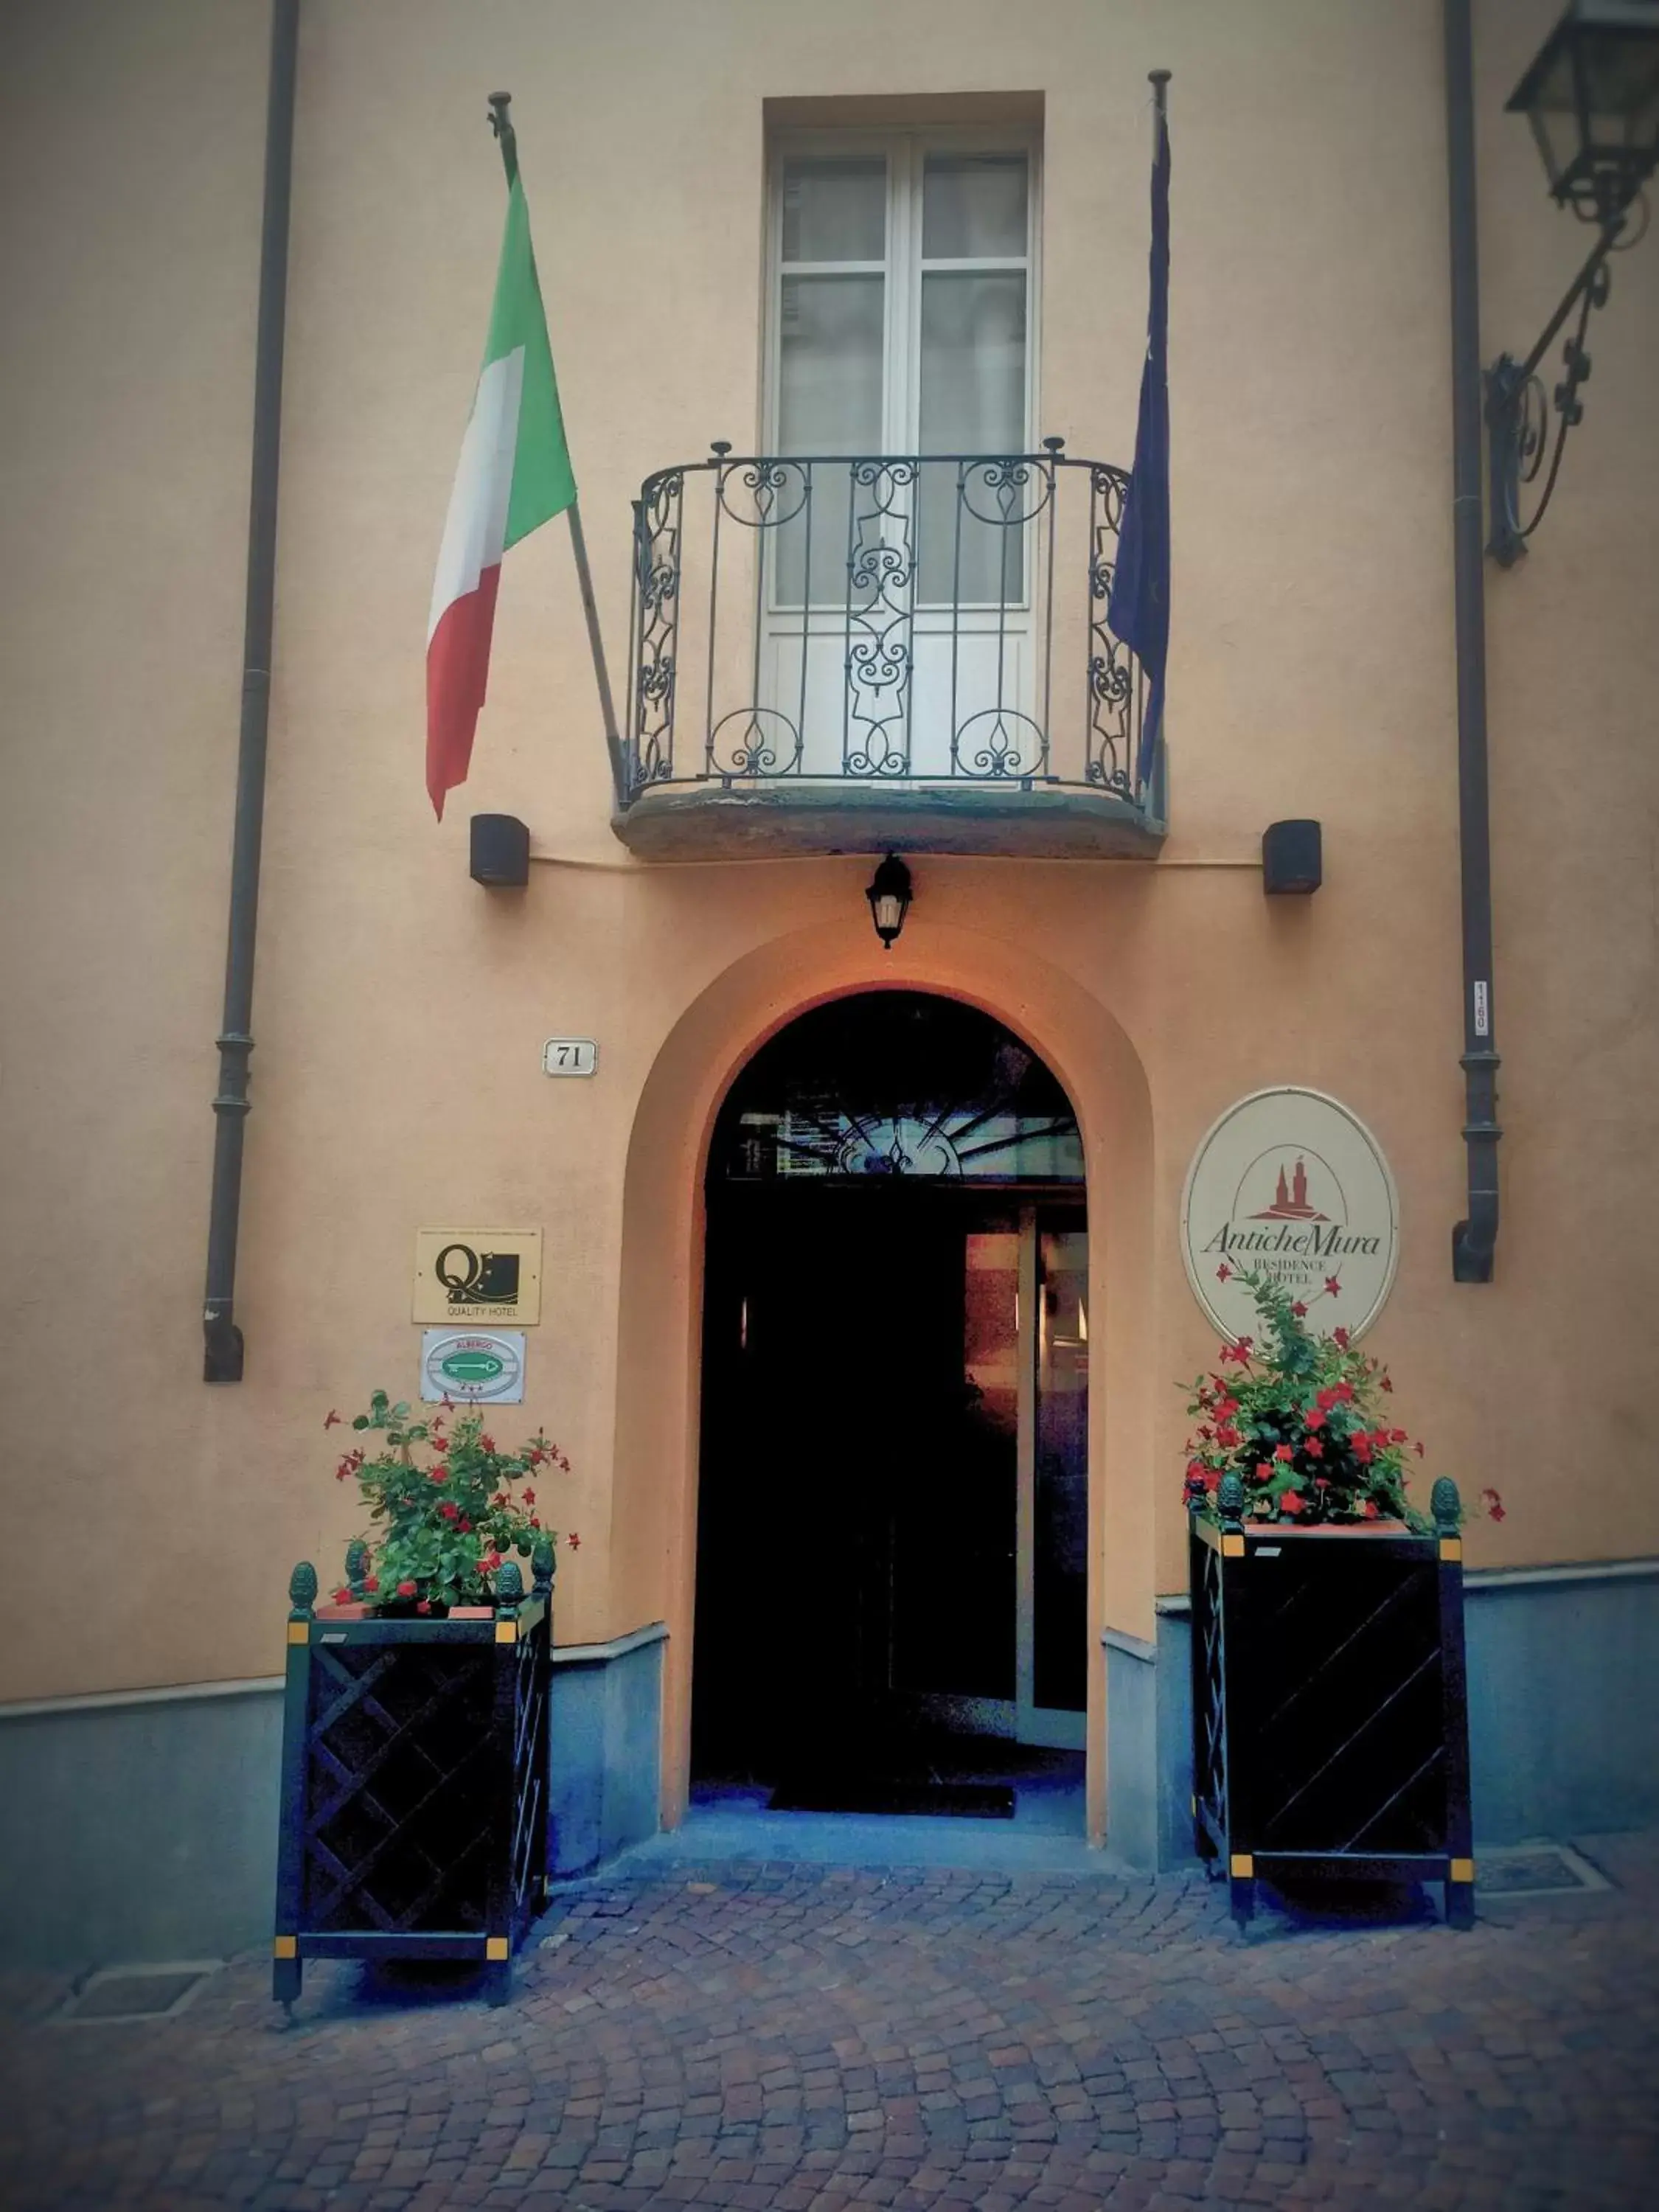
400, 1010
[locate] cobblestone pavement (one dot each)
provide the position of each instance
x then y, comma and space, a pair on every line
809, 2038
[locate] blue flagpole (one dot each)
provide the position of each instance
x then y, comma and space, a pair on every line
1137, 609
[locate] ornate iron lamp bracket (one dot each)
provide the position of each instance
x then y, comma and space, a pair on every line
1527, 427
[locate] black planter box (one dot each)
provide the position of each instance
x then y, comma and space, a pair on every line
1330, 1722
414, 1784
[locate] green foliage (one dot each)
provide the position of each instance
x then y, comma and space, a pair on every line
447, 1504
1302, 1423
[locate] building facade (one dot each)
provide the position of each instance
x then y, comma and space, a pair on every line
849, 237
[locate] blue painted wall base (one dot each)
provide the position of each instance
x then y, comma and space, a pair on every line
607, 1749
145, 1827
1561, 1740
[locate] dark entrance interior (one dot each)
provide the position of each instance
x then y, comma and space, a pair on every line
892, 1520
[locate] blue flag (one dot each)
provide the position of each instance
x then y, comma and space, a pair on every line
1138, 607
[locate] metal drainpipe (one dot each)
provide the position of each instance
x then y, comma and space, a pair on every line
1474, 1239
222, 1355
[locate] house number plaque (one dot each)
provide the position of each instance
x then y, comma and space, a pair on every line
569, 1056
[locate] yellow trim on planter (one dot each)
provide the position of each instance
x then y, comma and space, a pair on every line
1232, 1547
286, 1947
1241, 1867
1451, 1547
507, 1631
1461, 1870
299, 1631
495, 1947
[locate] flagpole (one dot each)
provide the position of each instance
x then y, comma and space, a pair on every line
507, 140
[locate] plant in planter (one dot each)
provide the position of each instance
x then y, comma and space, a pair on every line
1300, 1419
449, 1517
414, 1804
1329, 1718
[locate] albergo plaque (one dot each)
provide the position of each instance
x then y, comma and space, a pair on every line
1290, 1184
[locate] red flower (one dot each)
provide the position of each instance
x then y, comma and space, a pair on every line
1283, 1451
406, 1589
1228, 1439
1418, 1448
1290, 1502
1195, 1470
425, 1606
1224, 1273
535, 1455
1339, 1339
489, 1562
1314, 1448
1225, 1408
1396, 1435
1264, 1469
486, 1444
1360, 1446
1493, 1503
371, 1582
1322, 1482
1373, 1510
1386, 1384
450, 1510
333, 1419
573, 1540
530, 1497
465, 1525
342, 1597
1299, 1310
1333, 1288
1314, 1416
440, 1473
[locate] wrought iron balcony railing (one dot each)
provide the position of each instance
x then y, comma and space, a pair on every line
921, 626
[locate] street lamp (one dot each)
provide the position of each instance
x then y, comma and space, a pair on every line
1592, 98
889, 894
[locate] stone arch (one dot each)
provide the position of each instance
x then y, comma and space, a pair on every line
654, 1485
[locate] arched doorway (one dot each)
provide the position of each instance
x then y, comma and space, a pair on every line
891, 1582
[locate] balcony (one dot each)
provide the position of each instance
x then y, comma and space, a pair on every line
843, 654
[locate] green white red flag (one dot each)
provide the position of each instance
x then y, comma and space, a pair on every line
514, 475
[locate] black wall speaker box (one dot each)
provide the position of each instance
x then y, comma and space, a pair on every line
1292, 858
501, 851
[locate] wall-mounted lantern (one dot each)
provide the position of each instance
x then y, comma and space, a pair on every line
1592, 98
890, 894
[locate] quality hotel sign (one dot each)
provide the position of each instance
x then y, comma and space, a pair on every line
1289, 1184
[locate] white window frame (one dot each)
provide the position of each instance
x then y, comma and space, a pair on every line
904, 267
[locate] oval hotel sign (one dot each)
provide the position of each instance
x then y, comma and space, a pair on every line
1292, 1185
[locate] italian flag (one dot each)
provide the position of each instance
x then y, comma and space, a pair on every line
514, 475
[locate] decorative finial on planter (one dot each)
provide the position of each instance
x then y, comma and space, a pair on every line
509, 1584
302, 1590
356, 1565
1446, 1506
1229, 1502
541, 1566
